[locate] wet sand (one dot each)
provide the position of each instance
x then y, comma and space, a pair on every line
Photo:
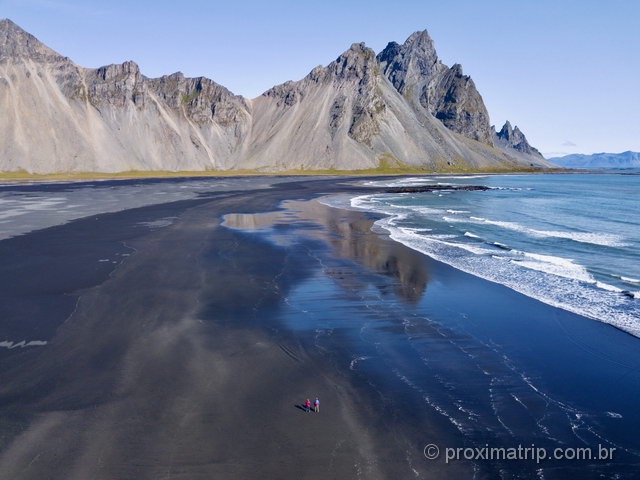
189, 357
174, 364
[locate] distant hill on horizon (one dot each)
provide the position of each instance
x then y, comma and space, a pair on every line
622, 160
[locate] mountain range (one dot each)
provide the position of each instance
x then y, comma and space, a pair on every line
400, 108
600, 160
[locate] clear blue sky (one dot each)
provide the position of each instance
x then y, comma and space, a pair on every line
566, 71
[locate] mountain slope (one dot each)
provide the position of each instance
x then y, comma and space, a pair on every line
400, 108
600, 160
59, 117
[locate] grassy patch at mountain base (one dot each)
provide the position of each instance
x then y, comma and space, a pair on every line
387, 166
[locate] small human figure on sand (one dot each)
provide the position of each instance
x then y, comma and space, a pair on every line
316, 405
307, 406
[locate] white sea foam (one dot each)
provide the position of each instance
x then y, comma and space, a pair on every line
557, 281
401, 182
442, 236
602, 239
471, 235
456, 212
427, 398
552, 270
356, 361
453, 219
415, 230
369, 202
22, 344
462, 246
609, 288
629, 280
560, 282
462, 177
163, 222
470, 248
561, 267
428, 210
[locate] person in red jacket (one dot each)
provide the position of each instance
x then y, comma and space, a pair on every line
307, 405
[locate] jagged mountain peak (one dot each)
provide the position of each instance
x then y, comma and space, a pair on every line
512, 138
417, 48
6, 23
420, 40
457, 68
435, 89
11, 29
358, 61
506, 130
410, 63
511, 133
116, 70
16, 43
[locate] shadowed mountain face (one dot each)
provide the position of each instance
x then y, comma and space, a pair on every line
429, 85
402, 107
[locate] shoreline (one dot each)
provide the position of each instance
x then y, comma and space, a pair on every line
20, 177
544, 324
393, 224
192, 360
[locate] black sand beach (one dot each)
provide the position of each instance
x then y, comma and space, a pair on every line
190, 355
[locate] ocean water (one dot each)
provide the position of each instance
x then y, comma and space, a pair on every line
571, 241
453, 360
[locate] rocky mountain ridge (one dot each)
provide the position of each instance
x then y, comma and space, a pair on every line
512, 140
399, 108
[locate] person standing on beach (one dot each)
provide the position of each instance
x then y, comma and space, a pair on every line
307, 405
316, 405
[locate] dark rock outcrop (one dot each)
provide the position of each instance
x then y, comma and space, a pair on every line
437, 188
514, 139
117, 85
201, 99
359, 65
